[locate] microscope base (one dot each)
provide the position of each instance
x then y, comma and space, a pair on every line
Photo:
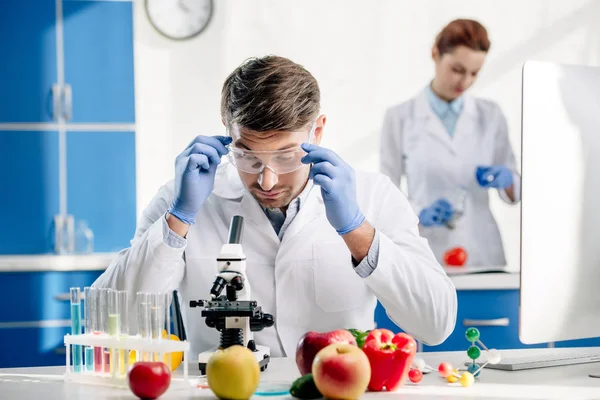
262, 355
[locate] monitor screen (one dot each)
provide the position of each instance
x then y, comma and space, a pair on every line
560, 209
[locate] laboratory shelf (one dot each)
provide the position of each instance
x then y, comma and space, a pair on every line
52, 262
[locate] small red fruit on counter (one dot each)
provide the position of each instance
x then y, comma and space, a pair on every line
149, 380
455, 257
341, 371
415, 375
390, 357
313, 342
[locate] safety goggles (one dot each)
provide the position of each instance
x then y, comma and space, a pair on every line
278, 161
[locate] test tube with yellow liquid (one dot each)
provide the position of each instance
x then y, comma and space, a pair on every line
122, 298
113, 327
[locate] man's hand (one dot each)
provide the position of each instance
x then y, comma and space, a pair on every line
195, 170
338, 188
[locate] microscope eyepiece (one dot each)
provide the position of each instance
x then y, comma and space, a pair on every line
235, 229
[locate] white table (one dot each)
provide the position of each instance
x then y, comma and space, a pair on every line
570, 382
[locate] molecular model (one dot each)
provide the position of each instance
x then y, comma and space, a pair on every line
452, 375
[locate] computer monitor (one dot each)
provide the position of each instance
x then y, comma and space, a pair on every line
560, 208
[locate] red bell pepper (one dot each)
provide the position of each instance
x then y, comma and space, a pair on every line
390, 357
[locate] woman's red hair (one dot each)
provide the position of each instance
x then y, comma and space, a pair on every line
462, 32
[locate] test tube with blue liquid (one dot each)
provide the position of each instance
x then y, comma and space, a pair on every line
76, 327
89, 350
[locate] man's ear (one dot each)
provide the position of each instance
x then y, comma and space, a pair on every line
435, 54
319, 128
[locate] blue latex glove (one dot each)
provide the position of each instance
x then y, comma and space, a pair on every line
437, 213
338, 187
195, 170
496, 176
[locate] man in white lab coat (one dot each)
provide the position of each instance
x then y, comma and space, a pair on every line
322, 242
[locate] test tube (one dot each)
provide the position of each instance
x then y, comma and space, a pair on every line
89, 350
122, 297
76, 326
168, 300
96, 325
104, 356
143, 320
113, 326
157, 320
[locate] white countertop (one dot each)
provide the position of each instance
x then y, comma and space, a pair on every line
484, 278
570, 382
53, 262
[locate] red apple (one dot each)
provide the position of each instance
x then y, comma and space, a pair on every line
341, 371
312, 342
149, 380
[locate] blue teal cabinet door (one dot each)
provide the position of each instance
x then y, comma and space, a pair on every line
98, 59
28, 67
42, 297
495, 313
36, 347
30, 198
101, 185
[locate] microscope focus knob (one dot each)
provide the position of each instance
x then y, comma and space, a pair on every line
196, 303
260, 322
268, 320
237, 283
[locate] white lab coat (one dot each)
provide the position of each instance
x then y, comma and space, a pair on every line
307, 280
416, 145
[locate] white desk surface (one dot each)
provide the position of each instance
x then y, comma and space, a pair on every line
509, 280
571, 382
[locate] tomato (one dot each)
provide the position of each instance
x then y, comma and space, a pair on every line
455, 257
149, 380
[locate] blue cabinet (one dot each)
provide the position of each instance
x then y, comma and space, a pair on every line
39, 315
98, 60
29, 63
29, 161
84, 76
101, 176
494, 312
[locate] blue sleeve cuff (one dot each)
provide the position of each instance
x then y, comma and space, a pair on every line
369, 263
170, 238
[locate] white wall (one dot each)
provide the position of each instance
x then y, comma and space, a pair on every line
365, 55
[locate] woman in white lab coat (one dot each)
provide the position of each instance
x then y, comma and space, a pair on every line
453, 148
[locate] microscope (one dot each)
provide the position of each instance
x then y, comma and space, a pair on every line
234, 314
